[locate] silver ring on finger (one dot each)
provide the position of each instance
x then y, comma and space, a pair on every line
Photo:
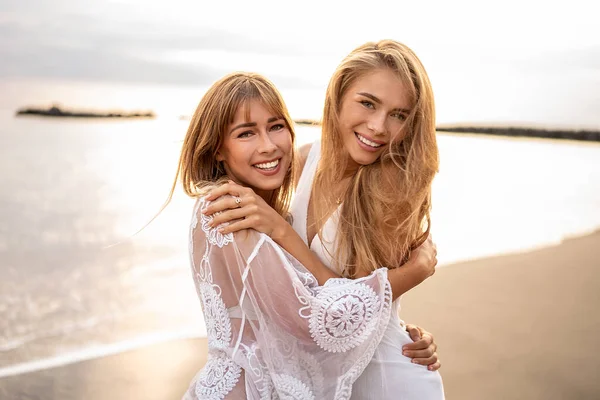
238, 201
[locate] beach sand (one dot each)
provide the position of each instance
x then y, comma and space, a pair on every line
519, 326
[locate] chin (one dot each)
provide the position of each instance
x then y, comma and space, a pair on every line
364, 160
266, 185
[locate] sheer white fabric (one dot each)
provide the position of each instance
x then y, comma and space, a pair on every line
273, 333
389, 375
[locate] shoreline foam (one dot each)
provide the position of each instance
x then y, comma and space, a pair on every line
94, 352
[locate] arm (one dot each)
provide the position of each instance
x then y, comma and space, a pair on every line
254, 213
261, 217
323, 336
420, 266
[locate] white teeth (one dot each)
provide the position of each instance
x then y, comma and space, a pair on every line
368, 142
269, 165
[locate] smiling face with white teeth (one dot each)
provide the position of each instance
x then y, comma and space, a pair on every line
257, 148
371, 115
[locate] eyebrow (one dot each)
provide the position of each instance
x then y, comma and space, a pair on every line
253, 124
376, 100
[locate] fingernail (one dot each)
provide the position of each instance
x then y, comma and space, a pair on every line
405, 353
221, 230
414, 361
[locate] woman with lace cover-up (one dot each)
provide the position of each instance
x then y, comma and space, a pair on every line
271, 329
276, 327
363, 199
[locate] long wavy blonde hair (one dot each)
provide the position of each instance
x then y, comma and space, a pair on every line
198, 167
386, 208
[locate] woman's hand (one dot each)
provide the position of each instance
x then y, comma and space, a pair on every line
246, 209
424, 259
423, 350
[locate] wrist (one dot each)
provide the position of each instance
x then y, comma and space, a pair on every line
416, 269
281, 231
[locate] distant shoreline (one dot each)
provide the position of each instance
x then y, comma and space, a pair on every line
567, 134
56, 111
585, 135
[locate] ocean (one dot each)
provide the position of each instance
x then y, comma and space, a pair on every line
77, 281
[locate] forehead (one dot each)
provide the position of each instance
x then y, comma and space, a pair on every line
253, 109
386, 86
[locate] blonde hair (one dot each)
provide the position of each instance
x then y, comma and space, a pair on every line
386, 209
198, 167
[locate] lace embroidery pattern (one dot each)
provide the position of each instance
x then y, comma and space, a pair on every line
288, 356
290, 388
218, 324
212, 234
218, 377
343, 318
344, 387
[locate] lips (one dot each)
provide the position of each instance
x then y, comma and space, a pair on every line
368, 143
268, 165
269, 168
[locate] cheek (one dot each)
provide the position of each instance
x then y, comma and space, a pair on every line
284, 142
352, 116
234, 155
400, 134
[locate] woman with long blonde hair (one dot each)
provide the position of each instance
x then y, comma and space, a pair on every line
363, 199
277, 324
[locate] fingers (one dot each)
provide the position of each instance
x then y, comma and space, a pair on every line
227, 216
224, 204
420, 354
236, 226
421, 344
230, 203
228, 188
413, 332
429, 362
435, 366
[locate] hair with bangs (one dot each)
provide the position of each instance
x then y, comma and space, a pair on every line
198, 167
386, 209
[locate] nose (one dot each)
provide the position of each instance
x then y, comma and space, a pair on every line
376, 123
266, 144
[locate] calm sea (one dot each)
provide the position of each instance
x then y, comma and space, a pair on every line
75, 282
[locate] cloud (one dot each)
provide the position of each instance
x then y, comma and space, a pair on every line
88, 47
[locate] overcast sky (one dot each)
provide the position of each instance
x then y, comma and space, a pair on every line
508, 60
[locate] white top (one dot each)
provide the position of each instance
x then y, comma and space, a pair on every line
389, 375
299, 210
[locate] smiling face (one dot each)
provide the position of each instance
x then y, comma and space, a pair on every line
372, 114
257, 148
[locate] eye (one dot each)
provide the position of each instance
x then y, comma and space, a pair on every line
277, 127
399, 116
367, 104
245, 134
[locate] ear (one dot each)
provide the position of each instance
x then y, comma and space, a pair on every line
219, 156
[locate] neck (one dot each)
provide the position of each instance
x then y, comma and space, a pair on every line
351, 168
266, 195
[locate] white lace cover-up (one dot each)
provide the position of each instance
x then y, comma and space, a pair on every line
389, 375
273, 333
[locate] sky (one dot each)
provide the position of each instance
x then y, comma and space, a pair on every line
530, 62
